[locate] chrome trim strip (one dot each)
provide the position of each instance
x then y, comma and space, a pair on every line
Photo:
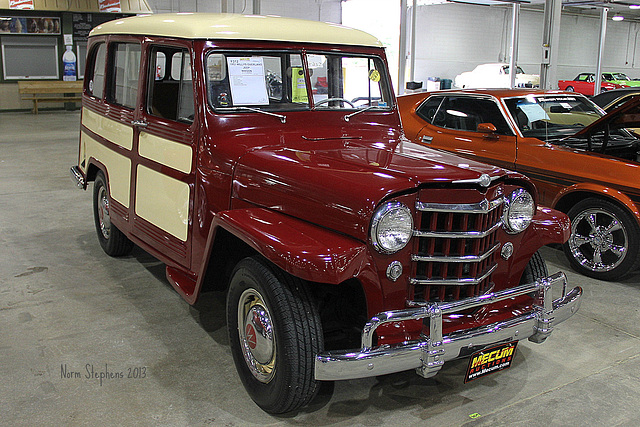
458, 234
483, 207
77, 177
453, 282
465, 258
427, 356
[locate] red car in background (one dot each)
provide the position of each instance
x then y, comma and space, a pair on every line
584, 83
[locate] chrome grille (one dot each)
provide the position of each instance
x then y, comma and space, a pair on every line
456, 250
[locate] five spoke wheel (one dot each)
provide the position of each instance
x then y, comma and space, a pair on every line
604, 239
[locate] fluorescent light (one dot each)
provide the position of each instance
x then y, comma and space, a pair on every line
634, 6
618, 18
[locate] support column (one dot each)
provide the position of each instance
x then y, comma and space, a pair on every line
603, 32
515, 31
402, 51
412, 51
550, 44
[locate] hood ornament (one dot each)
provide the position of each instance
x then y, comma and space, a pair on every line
484, 180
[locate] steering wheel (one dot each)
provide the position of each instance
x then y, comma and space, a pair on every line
324, 101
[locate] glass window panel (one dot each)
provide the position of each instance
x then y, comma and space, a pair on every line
126, 67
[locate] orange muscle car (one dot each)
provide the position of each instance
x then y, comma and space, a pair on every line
583, 162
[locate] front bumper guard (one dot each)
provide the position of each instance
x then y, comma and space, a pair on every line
429, 354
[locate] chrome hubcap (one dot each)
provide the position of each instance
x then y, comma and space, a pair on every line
598, 241
103, 212
256, 335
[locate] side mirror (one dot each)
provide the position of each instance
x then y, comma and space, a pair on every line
487, 128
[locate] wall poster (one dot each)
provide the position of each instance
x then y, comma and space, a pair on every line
31, 25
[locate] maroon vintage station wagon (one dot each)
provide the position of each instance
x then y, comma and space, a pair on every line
264, 156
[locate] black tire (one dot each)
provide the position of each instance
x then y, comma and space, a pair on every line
535, 269
569, 89
274, 333
112, 240
604, 240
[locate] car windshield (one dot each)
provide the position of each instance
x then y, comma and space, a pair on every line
620, 76
551, 115
286, 81
518, 70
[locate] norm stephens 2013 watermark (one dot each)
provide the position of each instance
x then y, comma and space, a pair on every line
103, 373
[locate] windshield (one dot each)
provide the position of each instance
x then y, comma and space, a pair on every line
282, 81
553, 115
518, 70
620, 76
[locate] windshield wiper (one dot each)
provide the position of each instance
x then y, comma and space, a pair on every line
282, 118
348, 116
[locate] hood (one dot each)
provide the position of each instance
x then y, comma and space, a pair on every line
340, 187
625, 116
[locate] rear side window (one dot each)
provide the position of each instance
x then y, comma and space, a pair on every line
97, 69
125, 67
170, 93
429, 108
466, 113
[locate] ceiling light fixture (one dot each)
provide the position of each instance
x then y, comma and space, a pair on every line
634, 6
618, 18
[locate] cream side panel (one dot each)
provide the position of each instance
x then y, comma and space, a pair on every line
169, 153
163, 201
118, 168
111, 130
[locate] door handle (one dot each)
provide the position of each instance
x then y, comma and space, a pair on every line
426, 139
139, 123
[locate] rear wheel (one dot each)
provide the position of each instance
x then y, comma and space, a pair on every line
275, 334
604, 240
112, 240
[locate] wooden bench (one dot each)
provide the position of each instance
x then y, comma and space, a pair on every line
49, 91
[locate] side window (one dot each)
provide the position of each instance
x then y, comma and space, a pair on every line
170, 93
125, 69
466, 113
96, 73
428, 109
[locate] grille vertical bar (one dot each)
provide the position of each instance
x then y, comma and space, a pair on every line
456, 251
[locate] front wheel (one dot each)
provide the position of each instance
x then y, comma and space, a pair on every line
275, 332
112, 240
604, 240
535, 269
569, 89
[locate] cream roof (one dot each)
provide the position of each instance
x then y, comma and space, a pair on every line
233, 26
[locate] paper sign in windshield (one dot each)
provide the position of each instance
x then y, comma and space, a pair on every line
248, 82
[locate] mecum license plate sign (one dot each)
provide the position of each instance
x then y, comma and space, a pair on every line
490, 360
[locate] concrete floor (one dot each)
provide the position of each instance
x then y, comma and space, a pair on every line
66, 307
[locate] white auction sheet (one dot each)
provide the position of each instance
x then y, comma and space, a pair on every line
248, 82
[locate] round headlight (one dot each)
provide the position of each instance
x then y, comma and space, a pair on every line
518, 211
391, 227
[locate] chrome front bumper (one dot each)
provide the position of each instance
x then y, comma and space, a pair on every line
427, 356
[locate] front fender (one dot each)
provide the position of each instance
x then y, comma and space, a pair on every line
599, 190
551, 226
302, 249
